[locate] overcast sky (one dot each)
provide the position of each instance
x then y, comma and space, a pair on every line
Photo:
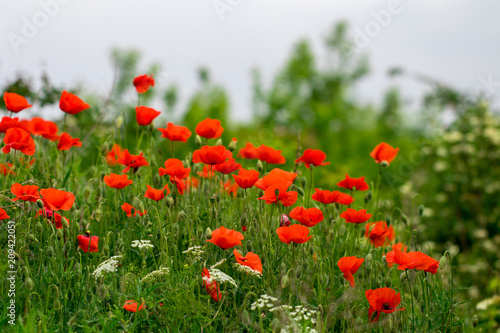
456, 41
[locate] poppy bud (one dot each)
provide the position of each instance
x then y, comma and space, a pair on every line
475, 320
86, 192
102, 291
186, 163
104, 148
285, 281
50, 251
170, 201
368, 197
298, 271
26, 271
175, 230
303, 182
72, 321
404, 218
29, 283
57, 304
232, 145
65, 223
39, 227
283, 268
31, 237
106, 250
421, 210
27, 306
402, 276
218, 142
442, 262
260, 167
212, 199
198, 141
140, 206
359, 321
388, 283
67, 246
39, 203
388, 220
245, 318
300, 191
119, 122
19, 270
384, 164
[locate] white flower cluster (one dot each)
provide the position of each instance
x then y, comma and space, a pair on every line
218, 263
155, 275
301, 313
142, 244
107, 266
221, 277
264, 301
195, 252
248, 270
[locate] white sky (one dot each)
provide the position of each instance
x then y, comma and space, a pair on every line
456, 41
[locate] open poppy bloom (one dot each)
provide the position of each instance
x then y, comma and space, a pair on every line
72, 104
211, 155
55, 199
249, 152
413, 260
400, 247
88, 244
145, 115
6, 169
276, 176
308, 217
3, 214
113, 155
155, 194
117, 181
38, 126
8, 122
66, 142
211, 285
357, 184
225, 238
18, 139
355, 216
209, 128
179, 184
384, 152
131, 306
327, 197
25, 193
175, 133
174, 168
227, 167
314, 157
143, 82
379, 233
131, 210
131, 161
14, 102
279, 192
296, 233
52, 216
381, 300
250, 260
349, 266
246, 178
270, 155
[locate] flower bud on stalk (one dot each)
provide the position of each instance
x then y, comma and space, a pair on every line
198, 141
260, 167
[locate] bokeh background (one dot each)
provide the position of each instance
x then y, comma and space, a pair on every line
341, 77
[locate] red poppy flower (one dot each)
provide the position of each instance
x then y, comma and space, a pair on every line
413, 260
357, 184
54, 199
398, 246
250, 260
7, 169
52, 216
246, 178
207, 172
155, 194
131, 306
66, 142
384, 152
88, 244
18, 139
113, 155
349, 266
314, 157
174, 168
211, 155
243, 228
355, 216
231, 188
308, 217
175, 133
275, 176
381, 300
327, 197
131, 161
25, 193
209, 128
14, 102
145, 115
8, 122
143, 82
249, 152
38, 126
211, 285
131, 210
284, 220
379, 233
270, 155
192, 182
227, 167
117, 181
296, 233
3, 214
72, 104
179, 184
225, 238
279, 192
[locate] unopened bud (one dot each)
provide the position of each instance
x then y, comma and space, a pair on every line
404, 218
233, 145
198, 141
384, 164
303, 182
50, 251
208, 233
421, 210
29, 283
260, 167
39, 203
170, 201
285, 281
218, 142
119, 122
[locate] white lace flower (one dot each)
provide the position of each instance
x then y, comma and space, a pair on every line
107, 266
247, 270
142, 244
221, 277
155, 275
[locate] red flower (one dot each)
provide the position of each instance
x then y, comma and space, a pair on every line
179, 184
225, 238
18, 139
174, 168
8, 122
88, 244
211, 155
380, 234
357, 184
413, 260
127, 208
227, 167
349, 266
231, 188
112, 156
248, 152
131, 306
117, 181
143, 82
54, 199
246, 178
308, 217
209, 128
25, 193
296, 233
145, 115
38, 126
327, 197
52, 216
279, 192
131, 161
207, 172
250, 260
314, 157
398, 246
6, 169
211, 285
381, 300
155, 194
270, 155
355, 216
175, 133
72, 104
15, 102
384, 152
275, 176
3, 214
66, 142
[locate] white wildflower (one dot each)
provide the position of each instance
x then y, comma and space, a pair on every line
248, 270
221, 277
264, 301
107, 266
218, 264
155, 275
195, 252
142, 244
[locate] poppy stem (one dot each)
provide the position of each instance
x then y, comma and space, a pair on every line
310, 185
411, 294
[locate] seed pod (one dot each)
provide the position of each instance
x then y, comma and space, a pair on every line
29, 283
